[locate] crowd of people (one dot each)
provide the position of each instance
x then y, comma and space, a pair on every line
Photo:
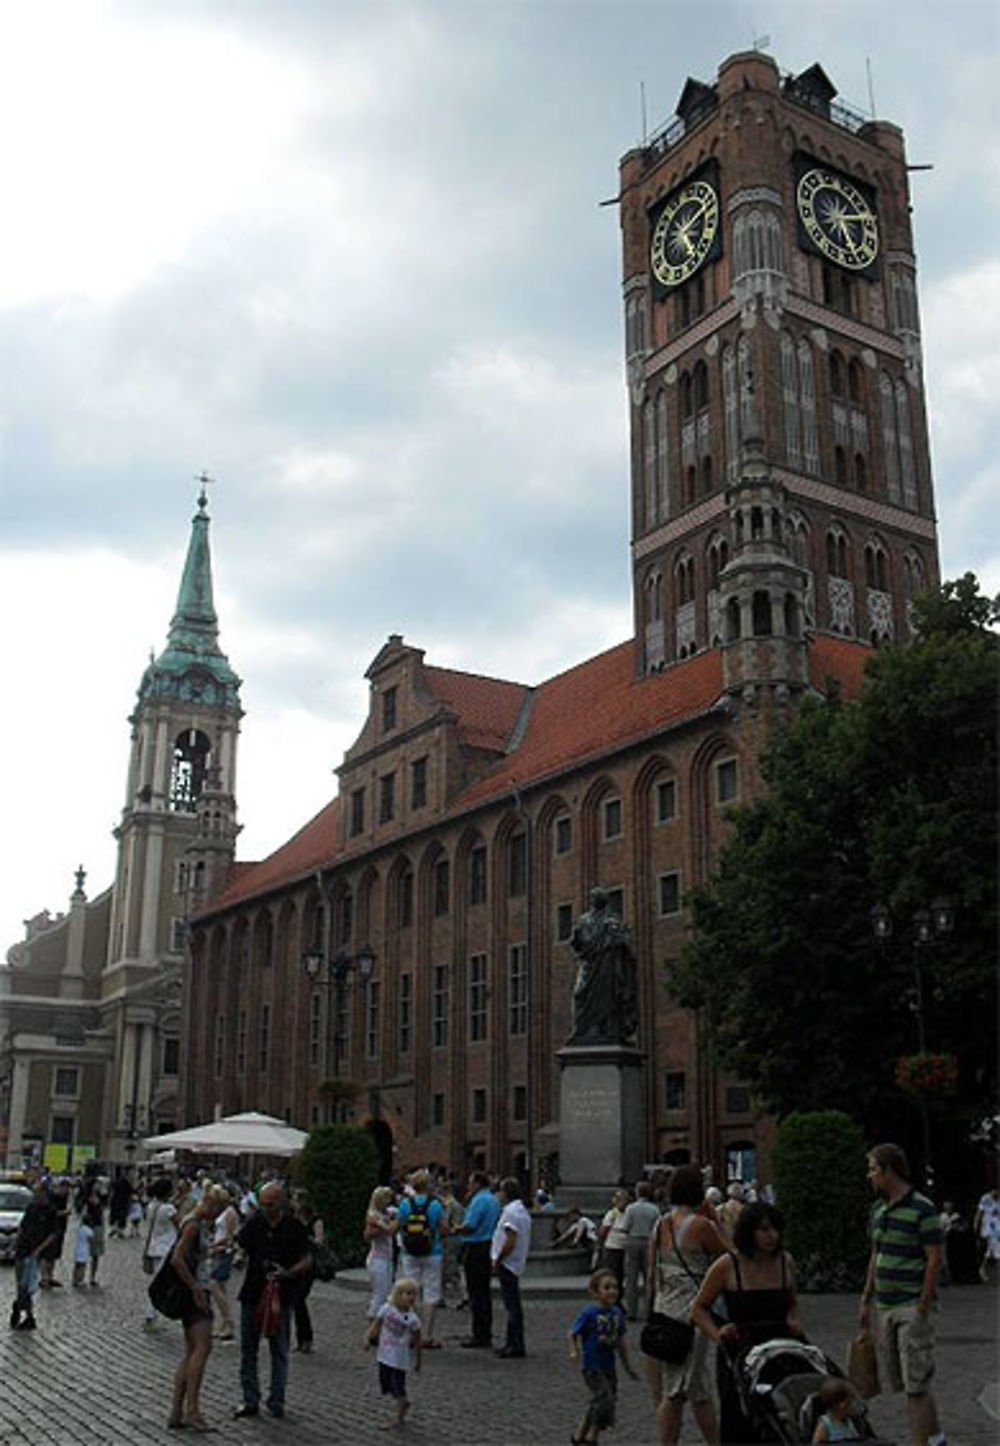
668, 1250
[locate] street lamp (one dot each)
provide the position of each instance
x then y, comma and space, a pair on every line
333, 971
929, 929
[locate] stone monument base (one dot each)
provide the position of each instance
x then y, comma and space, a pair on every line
602, 1132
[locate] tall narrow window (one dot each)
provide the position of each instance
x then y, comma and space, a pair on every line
315, 1028
517, 988
665, 796
418, 783
662, 459
890, 446
357, 812
477, 875
563, 834
189, 769
405, 1012
790, 402
220, 1044
477, 998
388, 710
613, 818
387, 798
442, 888
264, 1040
241, 1042
406, 899
807, 397
518, 881
649, 463
439, 1007
371, 1018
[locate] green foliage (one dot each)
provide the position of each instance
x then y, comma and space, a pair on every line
819, 1176
339, 1170
890, 798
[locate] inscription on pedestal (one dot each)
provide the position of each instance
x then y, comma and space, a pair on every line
601, 1128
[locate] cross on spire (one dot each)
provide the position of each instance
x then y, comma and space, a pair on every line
205, 480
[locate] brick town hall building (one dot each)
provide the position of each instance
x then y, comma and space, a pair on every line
782, 517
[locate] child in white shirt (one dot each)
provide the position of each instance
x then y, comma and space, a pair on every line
396, 1328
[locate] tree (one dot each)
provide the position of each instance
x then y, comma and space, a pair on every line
890, 798
819, 1177
339, 1169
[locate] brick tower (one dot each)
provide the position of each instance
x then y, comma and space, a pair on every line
781, 478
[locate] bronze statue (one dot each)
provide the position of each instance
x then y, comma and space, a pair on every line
605, 1003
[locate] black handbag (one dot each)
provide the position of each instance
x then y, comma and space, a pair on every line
666, 1339
663, 1336
167, 1292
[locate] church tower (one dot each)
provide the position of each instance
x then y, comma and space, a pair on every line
176, 838
771, 317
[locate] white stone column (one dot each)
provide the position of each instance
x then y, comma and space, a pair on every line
161, 763
18, 1104
152, 883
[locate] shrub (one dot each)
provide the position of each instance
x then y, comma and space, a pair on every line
339, 1169
821, 1187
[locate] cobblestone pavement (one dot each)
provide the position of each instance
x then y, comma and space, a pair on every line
89, 1375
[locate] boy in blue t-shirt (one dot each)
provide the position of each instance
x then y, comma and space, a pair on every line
596, 1337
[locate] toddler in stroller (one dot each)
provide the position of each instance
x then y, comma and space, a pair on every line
781, 1387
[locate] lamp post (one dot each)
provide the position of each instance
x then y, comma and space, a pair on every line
333, 971
929, 928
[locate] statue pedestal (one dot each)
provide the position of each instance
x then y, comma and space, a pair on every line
602, 1129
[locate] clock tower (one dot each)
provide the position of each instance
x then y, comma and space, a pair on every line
176, 839
781, 481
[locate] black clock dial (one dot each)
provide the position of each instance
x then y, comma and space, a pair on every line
685, 233
838, 219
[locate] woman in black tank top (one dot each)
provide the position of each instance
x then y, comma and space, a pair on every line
758, 1280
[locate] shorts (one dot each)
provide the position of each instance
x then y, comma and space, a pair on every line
192, 1314
688, 1380
221, 1269
426, 1271
904, 1337
603, 1388
392, 1381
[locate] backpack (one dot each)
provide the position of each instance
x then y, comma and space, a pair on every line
417, 1235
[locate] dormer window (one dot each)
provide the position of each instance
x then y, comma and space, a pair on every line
388, 710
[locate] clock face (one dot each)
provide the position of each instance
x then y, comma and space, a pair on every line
685, 233
838, 220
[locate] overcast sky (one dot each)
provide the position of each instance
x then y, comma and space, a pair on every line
350, 259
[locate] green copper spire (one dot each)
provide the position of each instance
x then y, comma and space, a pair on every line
195, 623
192, 667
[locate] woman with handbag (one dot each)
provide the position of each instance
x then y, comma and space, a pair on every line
189, 1259
161, 1232
683, 1246
758, 1279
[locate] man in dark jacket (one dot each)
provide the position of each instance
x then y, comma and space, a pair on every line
39, 1228
277, 1248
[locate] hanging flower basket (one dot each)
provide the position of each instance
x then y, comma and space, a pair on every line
927, 1074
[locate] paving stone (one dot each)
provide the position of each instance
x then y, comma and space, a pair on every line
90, 1376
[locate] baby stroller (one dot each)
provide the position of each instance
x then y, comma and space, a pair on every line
777, 1384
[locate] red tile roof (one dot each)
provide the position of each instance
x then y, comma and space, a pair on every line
598, 706
838, 658
313, 845
487, 708
572, 718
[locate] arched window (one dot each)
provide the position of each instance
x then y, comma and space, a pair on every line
649, 462
890, 443
860, 472
906, 448
706, 475
790, 402
188, 770
732, 621
654, 598
836, 374
876, 566
792, 618
662, 459
761, 615
807, 399
731, 415
718, 556
855, 382
700, 386
690, 487
840, 466
836, 553
687, 395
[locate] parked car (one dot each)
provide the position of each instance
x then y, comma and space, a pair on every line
14, 1200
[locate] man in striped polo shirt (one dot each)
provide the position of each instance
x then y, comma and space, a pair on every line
902, 1281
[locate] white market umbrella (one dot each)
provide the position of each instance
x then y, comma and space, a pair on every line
246, 1134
